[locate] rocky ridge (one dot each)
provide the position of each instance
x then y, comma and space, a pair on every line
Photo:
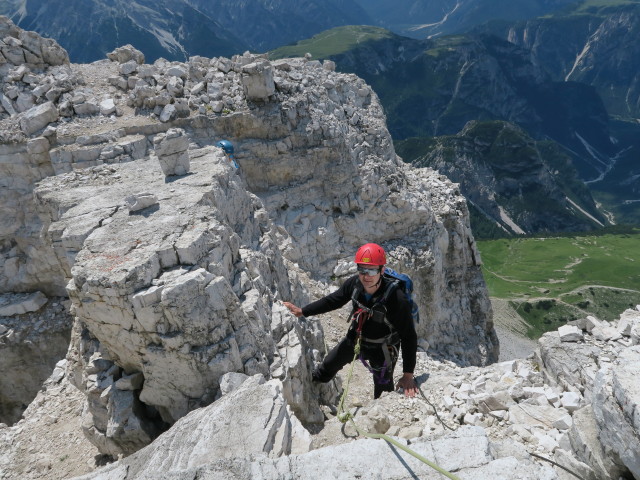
175, 280
175, 273
506, 418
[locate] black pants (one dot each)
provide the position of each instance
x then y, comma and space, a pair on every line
342, 354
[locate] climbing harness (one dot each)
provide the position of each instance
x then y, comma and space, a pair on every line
379, 374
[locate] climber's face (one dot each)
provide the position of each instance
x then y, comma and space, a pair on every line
370, 277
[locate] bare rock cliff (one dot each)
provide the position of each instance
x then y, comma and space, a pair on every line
175, 262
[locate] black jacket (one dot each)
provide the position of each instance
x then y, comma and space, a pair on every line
398, 314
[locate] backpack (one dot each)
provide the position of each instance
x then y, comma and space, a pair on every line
406, 284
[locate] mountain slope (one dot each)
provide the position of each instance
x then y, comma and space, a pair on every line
519, 184
88, 29
434, 87
178, 29
431, 18
595, 43
267, 24
592, 44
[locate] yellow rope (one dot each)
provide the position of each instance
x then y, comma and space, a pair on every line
345, 416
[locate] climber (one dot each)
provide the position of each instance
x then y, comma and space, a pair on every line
381, 316
227, 147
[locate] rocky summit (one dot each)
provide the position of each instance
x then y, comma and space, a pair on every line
164, 265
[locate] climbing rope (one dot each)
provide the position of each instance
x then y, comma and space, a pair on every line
345, 416
556, 464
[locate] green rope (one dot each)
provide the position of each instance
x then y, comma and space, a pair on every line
345, 416
391, 440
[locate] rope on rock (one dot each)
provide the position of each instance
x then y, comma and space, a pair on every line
556, 464
345, 416
435, 411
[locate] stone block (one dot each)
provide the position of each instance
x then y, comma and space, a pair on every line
140, 201
605, 333
591, 322
38, 117
107, 106
570, 333
171, 150
257, 79
628, 320
19, 304
572, 401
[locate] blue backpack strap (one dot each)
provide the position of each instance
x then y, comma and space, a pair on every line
389, 289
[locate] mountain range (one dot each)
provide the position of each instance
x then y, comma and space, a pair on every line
432, 88
558, 71
178, 29
432, 18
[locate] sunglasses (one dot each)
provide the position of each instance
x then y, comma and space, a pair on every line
368, 271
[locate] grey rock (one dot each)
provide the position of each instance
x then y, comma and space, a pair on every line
140, 201
32, 343
171, 150
20, 304
616, 404
107, 106
585, 444
465, 452
257, 79
125, 54
38, 117
169, 112
570, 333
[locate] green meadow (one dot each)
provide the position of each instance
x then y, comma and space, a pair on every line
550, 281
332, 42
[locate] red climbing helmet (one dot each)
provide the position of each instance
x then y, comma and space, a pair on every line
371, 254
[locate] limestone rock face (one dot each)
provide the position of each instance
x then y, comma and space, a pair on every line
606, 433
223, 430
192, 284
616, 405
176, 278
466, 451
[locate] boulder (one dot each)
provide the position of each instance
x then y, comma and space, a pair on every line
38, 117
125, 54
257, 79
171, 150
140, 201
19, 304
570, 333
